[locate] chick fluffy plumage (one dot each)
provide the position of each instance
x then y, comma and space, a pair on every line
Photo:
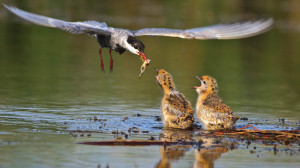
177, 111
210, 109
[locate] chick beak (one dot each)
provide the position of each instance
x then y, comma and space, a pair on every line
200, 79
156, 77
143, 56
156, 69
196, 87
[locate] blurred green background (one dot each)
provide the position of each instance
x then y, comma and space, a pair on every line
259, 75
49, 78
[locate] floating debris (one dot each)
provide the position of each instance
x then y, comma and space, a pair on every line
244, 118
133, 143
119, 138
282, 120
157, 118
284, 137
80, 131
134, 130
96, 119
125, 118
152, 138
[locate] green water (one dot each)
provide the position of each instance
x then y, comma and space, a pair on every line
51, 83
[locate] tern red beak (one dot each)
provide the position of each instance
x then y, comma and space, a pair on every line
143, 56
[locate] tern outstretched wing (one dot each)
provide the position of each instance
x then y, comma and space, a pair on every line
219, 31
90, 27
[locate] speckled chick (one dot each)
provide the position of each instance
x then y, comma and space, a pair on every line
177, 111
210, 109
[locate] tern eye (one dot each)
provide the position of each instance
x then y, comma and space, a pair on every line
204, 82
135, 46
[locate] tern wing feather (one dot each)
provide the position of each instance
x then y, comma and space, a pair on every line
90, 27
219, 31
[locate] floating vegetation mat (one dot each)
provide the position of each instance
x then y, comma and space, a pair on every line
290, 136
267, 137
134, 143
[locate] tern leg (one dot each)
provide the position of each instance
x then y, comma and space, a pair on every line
101, 59
111, 61
250, 126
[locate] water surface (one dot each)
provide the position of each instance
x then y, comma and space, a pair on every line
51, 83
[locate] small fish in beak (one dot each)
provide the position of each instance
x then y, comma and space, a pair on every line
143, 67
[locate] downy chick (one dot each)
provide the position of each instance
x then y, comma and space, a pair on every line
177, 111
210, 109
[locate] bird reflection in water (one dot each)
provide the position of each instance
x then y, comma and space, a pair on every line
172, 153
207, 149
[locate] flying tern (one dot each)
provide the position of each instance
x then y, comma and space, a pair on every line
120, 40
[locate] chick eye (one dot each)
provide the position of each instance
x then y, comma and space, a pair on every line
204, 82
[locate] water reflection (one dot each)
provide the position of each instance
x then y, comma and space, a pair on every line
173, 153
205, 158
207, 149
170, 154
49, 77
